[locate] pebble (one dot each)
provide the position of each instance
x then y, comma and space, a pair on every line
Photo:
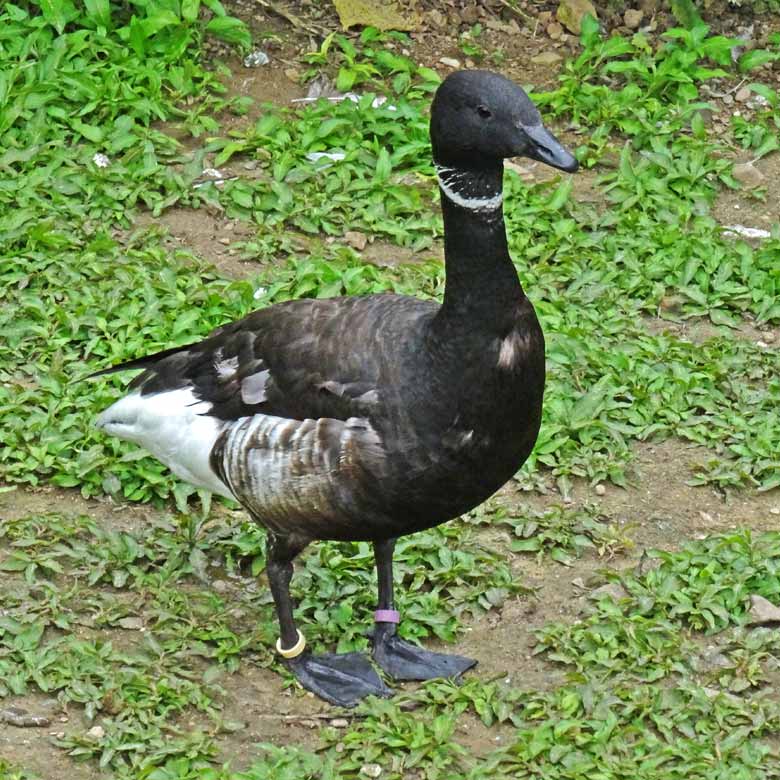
225, 241
728, 100
293, 74
632, 18
555, 30
748, 175
546, 58
775, 510
131, 623
220, 586
570, 14
450, 62
339, 723
96, 732
600, 490
743, 95
356, 239
371, 770
762, 611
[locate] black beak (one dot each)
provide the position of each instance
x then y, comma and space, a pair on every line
544, 146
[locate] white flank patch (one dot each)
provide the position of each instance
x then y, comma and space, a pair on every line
473, 204
226, 368
511, 349
253, 387
175, 427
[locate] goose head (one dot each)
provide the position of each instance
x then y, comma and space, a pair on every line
479, 118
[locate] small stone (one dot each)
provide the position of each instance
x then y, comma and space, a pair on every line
728, 100
546, 58
437, 18
769, 337
613, 590
775, 510
340, 746
356, 239
469, 14
371, 770
713, 659
748, 175
632, 18
339, 723
600, 490
220, 586
743, 95
225, 241
96, 732
131, 623
762, 611
578, 582
554, 30
570, 14
60, 735
293, 74
450, 62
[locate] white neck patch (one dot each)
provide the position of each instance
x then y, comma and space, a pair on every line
450, 178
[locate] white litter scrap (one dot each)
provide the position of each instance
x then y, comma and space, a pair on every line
259, 293
335, 156
256, 59
377, 102
322, 88
100, 160
745, 232
213, 176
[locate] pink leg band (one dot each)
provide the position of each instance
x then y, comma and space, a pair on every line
387, 616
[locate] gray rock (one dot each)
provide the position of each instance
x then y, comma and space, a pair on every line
632, 18
571, 12
547, 58
748, 175
762, 611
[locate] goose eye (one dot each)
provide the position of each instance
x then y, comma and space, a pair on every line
484, 112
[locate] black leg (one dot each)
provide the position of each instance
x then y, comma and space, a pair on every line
400, 659
280, 552
339, 679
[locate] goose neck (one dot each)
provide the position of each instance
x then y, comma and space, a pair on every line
481, 280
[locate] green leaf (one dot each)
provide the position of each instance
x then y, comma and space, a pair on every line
99, 11
58, 13
230, 29
755, 58
189, 10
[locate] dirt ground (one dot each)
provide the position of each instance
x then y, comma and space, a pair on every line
659, 509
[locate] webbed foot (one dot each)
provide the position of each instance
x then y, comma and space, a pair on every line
342, 679
404, 661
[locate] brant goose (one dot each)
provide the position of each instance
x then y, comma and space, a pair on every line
372, 417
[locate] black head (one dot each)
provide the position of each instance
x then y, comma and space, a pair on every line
479, 118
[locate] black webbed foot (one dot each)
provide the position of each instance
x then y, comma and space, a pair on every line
404, 661
342, 679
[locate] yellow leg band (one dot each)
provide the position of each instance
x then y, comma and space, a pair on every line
295, 650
